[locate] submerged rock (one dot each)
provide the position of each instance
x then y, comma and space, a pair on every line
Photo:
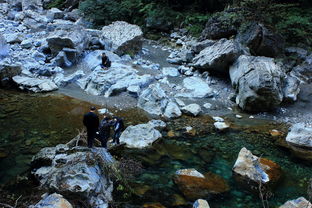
195, 185
200, 203
125, 37
76, 172
52, 201
299, 140
219, 56
249, 167
300, 202
141, 136
258, 82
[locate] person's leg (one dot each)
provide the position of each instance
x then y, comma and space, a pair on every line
91, 136
117, 136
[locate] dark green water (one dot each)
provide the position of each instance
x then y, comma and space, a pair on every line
29, 122
217, 153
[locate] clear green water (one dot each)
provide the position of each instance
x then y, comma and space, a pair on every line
217, 153
30, 122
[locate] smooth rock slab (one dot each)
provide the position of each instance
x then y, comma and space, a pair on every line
140, 136
35, 84
221, 125
52, 201
195, 88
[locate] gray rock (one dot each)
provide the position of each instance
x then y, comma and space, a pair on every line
200, 203
76, 40
258, 82
63, 81
221, 125
180, 57
4, 47
192, 109
195, 88
38, 56
158, 124
78, 171
35, 84
199, 46
126, 38
304, 71
170, 71
62, 60
172, 110
33, 20
261, 41
300, 135
55, 13
27, 43
134, 90
300, 202
219, 56
7, 72
296, 51
291, 89
34, 5
93, 59
4, 8
140, 136
153, 99
207, 105
52, 201
13, 38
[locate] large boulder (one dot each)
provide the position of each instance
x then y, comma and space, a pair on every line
35, 84
258, 82
250, 168
52, 201
180, 56
299, 140
153, 99
219, 56
300, 202
195, 87
192, 109
222, 25
195, 185
142, 135
72, 42
76, 172
4, 47
172, 110
261, 41
126, 38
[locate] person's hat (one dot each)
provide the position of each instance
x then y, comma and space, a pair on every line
92, 108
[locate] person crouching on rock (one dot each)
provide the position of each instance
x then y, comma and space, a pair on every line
91, 121
104, 131
118, 128
106, 63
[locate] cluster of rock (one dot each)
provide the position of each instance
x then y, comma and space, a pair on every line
37, 44
261, 82
74, 172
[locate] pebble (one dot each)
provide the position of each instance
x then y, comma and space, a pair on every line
239, 116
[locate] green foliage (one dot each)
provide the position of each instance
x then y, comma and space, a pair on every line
295, 24
195, 23
56, 4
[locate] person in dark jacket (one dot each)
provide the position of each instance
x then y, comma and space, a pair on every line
118, 128
104, 131
106, 63
91, 121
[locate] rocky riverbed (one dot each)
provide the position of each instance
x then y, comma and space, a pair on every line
202, 92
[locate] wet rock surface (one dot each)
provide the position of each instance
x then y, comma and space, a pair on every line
52, 201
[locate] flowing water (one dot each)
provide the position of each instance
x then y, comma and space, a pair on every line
29, 122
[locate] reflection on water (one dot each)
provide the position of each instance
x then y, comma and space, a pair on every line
216, 153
